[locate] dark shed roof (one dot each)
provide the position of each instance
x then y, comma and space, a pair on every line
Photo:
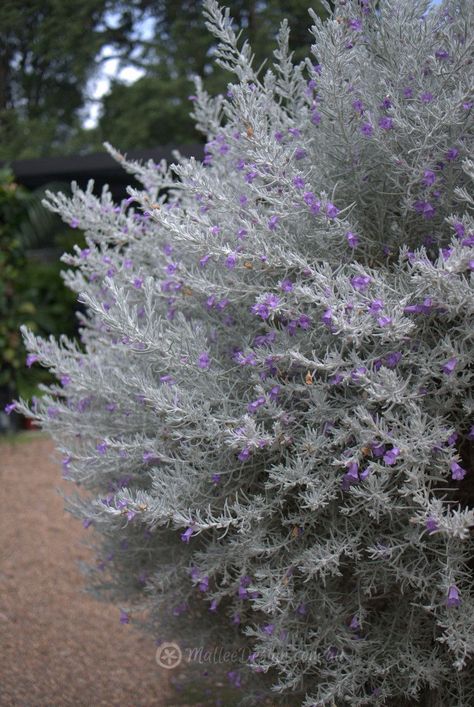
100, 167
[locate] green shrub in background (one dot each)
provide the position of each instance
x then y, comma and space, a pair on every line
30, 290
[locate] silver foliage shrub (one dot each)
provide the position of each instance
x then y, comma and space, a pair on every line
271, 410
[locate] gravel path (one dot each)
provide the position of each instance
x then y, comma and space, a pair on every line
58, 646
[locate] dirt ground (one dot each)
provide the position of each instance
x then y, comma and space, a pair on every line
58, 646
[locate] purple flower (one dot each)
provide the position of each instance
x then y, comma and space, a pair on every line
358, 106
274, 392
426, 97
149, 456
331, 210
407, 92
263, 309
86, 522
354, 624
298, 182
392, 359
269, 629
390, 457
386, 123
204, 584
255, 404
451, 154
300, 153
244, 454
204, 361
186, 536
360, 282
236, 619
273, 222
367, 129
10, 407
453, 598
375, 306
378, 449
429, 177
286, 285
327, 317
384, 321
431, 525
31, 359
213, 606
315, 117
457, 472
441, 54
102, 447
351, 476
230, 261
304, 322
356, 24
216, 479
124, 617
352, 239
137, 283
449, 366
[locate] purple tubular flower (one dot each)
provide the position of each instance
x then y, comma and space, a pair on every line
86, 522
286, 285
230, 261
352, 239
384, 321
273, 222
451, 154
124, 617
298, 182
426, 97
390, 457
216, 479
9, 408
386, 123
375, 306
367, 129
255, 404
204, 361
269, 629
213, 606
137, 283
204, 584
453, 598
31, 359
431, 525
300, 153
244, 454
327, 317
274, 392
186, 536
449, 366
354, 624
331, 210
429, 178
392, 359
457, 472
360, 282
102, 447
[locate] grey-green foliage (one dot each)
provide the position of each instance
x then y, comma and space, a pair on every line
272, 409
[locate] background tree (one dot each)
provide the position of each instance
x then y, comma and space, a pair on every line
48, 51
155, 109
